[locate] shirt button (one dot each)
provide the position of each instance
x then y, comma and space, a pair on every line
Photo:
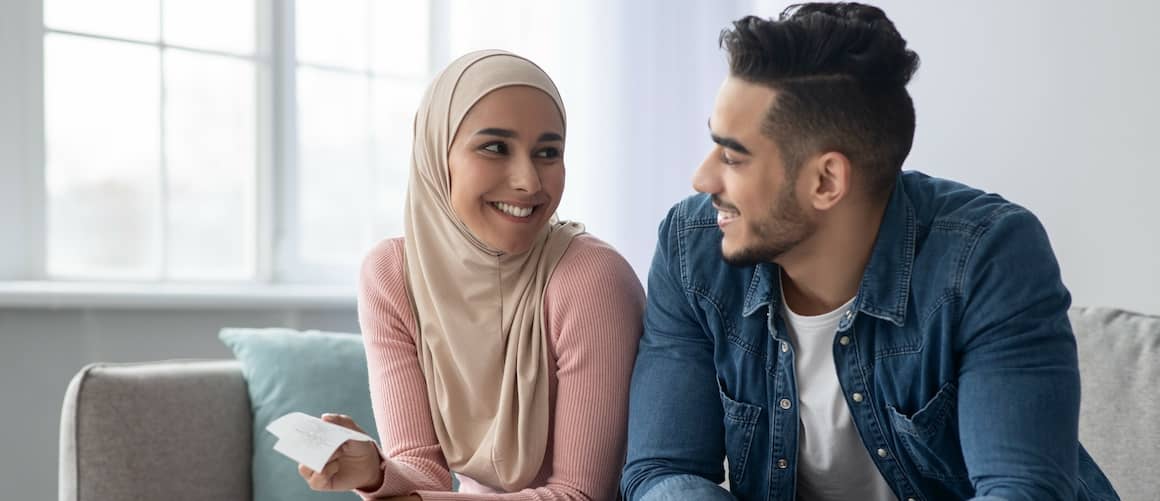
882, 453
911, 499
844, 340
785, 403
857, 397
784, 346
782, 464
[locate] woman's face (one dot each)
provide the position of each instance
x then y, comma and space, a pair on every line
507, 167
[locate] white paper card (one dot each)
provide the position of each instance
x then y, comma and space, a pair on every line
310, 440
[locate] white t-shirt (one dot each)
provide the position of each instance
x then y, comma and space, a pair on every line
833, 464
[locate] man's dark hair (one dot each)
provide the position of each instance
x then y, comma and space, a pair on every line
840, 72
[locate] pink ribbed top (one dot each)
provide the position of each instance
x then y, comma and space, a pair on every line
593, 308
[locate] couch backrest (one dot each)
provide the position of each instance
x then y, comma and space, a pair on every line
175, 430
1119, 358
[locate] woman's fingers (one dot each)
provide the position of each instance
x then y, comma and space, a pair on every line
343, 420
320, 480
313, 479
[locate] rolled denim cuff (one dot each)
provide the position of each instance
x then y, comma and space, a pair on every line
685, 487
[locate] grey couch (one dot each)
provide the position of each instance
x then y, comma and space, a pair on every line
180, 430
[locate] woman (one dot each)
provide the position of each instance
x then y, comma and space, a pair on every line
500, 341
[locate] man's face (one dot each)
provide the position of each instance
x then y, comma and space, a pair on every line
757, 204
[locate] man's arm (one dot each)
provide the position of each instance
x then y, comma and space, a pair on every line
675, 428
1019, 387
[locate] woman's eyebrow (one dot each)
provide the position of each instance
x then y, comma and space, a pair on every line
509, 134
492, 131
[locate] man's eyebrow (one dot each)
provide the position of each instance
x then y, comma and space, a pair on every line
728, 142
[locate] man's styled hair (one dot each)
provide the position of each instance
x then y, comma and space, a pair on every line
840, 72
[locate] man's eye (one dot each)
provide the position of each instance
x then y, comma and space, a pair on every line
497, 148
725, 159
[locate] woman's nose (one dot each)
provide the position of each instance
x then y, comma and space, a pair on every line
525, 176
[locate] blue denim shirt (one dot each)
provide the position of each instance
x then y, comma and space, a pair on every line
957, 361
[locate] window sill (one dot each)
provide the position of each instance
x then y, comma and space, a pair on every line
107, 295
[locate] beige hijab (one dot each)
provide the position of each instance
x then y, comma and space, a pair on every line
481, 332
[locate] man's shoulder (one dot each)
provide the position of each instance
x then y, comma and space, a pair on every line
957, 223
946, 208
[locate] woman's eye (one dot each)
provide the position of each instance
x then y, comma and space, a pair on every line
497, 148
548, 153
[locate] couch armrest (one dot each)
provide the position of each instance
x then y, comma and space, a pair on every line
174, 430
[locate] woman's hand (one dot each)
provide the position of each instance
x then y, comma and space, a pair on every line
355, 465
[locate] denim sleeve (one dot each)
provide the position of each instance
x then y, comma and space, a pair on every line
675, 417
1018, 393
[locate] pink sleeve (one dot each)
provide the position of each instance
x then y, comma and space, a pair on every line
412, 458
594, 305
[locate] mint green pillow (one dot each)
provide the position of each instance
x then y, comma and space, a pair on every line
311, 372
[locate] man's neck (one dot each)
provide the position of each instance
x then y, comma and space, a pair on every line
824, 273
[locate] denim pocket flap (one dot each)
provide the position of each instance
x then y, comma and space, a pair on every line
738, 411
931, 419
930, 437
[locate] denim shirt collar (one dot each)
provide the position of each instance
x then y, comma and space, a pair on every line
885, 284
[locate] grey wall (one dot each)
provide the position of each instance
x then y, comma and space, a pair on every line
41, 349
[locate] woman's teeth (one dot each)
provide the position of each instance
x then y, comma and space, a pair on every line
512, 210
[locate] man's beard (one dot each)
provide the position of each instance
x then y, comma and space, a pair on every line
784, 227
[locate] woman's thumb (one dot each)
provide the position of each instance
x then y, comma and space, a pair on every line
342, 420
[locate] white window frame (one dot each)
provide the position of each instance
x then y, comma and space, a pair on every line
22, 155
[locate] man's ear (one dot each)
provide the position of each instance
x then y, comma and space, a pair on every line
829, 180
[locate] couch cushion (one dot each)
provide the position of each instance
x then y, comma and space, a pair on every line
312, 372
1119, 355
176, 430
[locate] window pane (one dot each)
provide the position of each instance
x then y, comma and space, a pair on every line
333, 168
399, 41
210, 135
101, 128
332, 32
136, 19
394, 105
225, 25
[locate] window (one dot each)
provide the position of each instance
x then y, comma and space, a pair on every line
360, 70
226, 140
151, 133
236, 141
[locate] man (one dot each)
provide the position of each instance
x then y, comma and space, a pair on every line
839, 329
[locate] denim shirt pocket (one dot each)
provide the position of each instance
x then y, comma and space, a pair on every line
741, 421
930, 436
